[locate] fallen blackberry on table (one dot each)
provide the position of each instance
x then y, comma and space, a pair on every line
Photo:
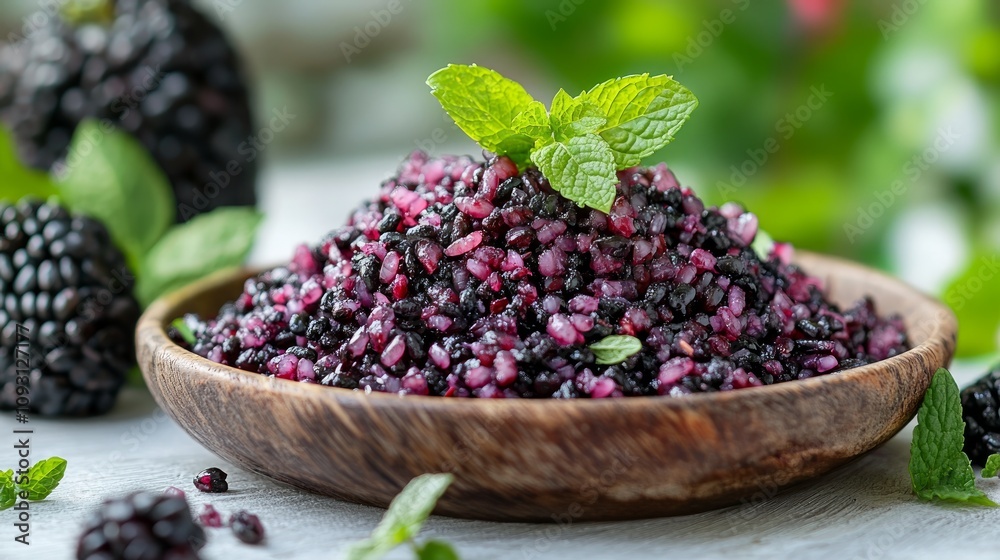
211, 480
981, 412
66, 297
158, 69
247, 527
143, 526
210, 517
473, 279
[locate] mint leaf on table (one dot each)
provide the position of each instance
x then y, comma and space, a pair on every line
209, 242
109, 176
18, 180
8, 492
643, 114
436, 550
484, 104
581, 169
939, 469
44, 477
615, 349
404, 518
992, 466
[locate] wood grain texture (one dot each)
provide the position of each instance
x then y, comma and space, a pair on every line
551, 460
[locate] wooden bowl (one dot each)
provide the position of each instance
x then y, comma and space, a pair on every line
551, 460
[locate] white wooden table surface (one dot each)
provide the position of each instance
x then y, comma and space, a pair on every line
864, 510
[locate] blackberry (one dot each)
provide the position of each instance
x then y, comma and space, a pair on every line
155, 68
211, 480
66, 297
247, 527
981, 411
210, 517
142, 525
513, 282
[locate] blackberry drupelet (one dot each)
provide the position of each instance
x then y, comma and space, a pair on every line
143, 525
159, 70
211, 480
475, 279
68, 287
247, 527
981, 412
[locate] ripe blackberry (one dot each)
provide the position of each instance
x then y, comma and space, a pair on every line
68, 287
981, 411
211, 480
472, 279
157, 69
143, 525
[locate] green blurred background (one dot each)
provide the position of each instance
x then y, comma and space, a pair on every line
868, 129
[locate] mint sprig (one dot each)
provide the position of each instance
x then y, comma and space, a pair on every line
8, 491
403, 520
578, 144
615, 349
992, 467
35, 484
939, 469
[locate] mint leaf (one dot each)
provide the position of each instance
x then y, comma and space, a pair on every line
405, 516
762, 244
8, 493
436, 550
573, 116
992, 466
218, 239
534, 122
44, 477
484, 104
182, 327
20, 181
615, 349
643, 114
109, 176
517, 147
582, 169
939, 469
